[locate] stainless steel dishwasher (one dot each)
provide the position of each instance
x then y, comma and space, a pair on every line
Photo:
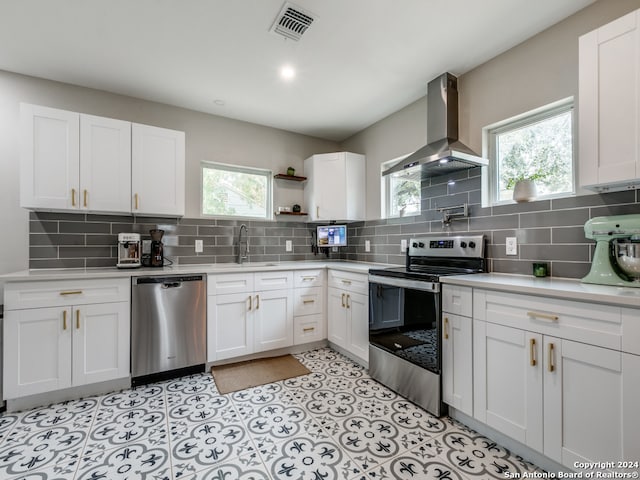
168, 326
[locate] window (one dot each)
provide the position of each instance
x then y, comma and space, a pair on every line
537, 146
400, 191
230, 191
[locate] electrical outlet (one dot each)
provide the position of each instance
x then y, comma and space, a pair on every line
367, 245
512, 245
403, 245
288, 245
198, 246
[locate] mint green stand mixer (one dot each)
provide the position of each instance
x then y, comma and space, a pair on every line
616, 260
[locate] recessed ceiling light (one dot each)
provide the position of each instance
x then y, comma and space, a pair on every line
287, 72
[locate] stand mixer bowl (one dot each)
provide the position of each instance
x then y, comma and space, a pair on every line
627, 254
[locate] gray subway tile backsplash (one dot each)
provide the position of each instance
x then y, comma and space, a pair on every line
547, 230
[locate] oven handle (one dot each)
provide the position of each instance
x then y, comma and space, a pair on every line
433, 287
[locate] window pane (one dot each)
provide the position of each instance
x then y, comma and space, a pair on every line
402, 192
234, 192
540, 151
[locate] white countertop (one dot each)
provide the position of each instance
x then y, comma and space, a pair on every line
215, 268
566, 288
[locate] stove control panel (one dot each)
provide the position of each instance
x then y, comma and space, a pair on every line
469, 246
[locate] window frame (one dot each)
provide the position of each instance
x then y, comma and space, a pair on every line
531, 117
238, 169
385, 194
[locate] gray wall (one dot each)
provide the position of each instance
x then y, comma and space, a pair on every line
208, 137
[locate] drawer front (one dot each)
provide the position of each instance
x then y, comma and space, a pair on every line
309, 328
457, 300
226, 283
280, 280
308, 278
590, 323
631, 330
354, 282
66, 292
308, 301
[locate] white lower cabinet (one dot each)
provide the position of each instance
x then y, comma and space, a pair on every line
248, 321
54, 348
348, 321
567, 399
309, 321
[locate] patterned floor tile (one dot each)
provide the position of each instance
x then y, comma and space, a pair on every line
264, 395
248, 467
57, 472
184, 411
192, 384
7, 423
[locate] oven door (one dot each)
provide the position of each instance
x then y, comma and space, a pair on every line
404, 319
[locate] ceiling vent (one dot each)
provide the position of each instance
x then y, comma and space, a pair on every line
292, 21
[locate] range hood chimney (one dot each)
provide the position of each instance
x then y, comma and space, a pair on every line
443, 153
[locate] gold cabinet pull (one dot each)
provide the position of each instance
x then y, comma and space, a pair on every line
135, 200
73, 197
318, 212
78, 319
85, 197
343, 305
64, 319
308, 301
446, 328
532, 352
308, 329
257, 302
71, 292
250, 302
544, 316
346, 282
348, 298
551, 365
308, 279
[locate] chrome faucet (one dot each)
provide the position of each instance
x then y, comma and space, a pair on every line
243, 245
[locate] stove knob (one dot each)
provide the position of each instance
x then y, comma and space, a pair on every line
463, 244
414, 245
472, 244
421, 245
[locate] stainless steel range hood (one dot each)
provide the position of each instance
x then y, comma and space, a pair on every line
443, 153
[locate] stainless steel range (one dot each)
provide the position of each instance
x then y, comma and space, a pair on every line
405, 350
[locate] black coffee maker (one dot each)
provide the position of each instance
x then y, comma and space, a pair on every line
157, 254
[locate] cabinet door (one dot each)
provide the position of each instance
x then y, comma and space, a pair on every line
609, 96
273, 320
508, 381
49, 158
37, 351
583, 403
358, 325
457, 362
329, 186
157, 174
100, 342
229, 326
337, 317
105, 164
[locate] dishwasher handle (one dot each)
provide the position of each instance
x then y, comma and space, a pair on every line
171, 281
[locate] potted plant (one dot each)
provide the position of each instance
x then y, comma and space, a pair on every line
524, 186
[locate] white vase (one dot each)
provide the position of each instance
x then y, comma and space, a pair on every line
524, 191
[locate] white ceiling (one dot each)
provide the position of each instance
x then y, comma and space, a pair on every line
359, 61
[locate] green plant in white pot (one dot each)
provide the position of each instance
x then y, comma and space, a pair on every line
524, 186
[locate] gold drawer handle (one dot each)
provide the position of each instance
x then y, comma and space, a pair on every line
77, 319
71, 292
446, 328
250, 302
346, 282
532, 352
64, 319
73, 197
136, 201
310, 329
545, 316
551, 365
348, 298
308, 279
308, 301
257, 302
85, 197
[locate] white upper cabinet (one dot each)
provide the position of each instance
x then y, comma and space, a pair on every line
50, 158
335, 188
158, 164
609, 101
76, 162
105, 164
